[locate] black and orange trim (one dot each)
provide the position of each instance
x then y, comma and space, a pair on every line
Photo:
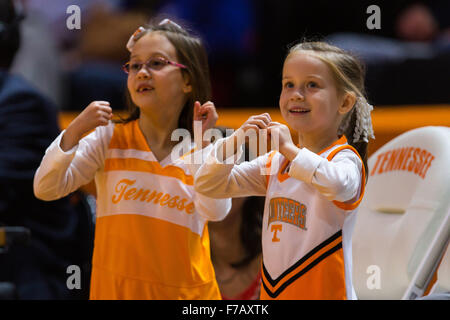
274, 287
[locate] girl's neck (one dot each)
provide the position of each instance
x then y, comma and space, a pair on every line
157, 132
316, 142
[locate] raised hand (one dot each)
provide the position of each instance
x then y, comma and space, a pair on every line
256, 123
205, 113
279, 138
97, 113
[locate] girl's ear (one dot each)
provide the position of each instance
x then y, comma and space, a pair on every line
347, 103
187, 87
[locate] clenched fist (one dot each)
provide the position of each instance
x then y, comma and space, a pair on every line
97, 113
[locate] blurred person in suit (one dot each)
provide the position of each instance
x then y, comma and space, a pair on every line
61, 231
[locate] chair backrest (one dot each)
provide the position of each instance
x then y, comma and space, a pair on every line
402, 225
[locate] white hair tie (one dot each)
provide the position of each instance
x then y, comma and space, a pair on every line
168, 21
363, 127
132, 40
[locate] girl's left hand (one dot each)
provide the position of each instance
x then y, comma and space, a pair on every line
285, 144
205, 113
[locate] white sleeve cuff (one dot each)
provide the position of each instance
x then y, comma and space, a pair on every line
213, 209
304, 165
57, 153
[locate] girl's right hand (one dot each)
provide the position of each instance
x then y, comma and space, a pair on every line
97, 113
256, 123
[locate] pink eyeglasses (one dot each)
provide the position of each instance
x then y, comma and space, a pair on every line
152, 64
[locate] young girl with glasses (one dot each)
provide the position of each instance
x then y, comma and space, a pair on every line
151, 238
313, 194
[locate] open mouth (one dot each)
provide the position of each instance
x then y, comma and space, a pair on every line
299, 110
144, 88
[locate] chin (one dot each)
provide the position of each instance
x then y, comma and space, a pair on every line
142, 102
301, 129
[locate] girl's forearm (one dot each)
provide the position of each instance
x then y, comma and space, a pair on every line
70, 138
232, 143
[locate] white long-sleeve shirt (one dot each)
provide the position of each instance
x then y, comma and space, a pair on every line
309, 206
151, 235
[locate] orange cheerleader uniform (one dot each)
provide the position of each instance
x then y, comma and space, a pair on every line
151, 237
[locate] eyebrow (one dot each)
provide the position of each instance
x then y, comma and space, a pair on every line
153, 55
308, 76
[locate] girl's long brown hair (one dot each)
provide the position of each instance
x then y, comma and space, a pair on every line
190, 52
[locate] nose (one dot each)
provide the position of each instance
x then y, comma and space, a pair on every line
143, 73
297, 95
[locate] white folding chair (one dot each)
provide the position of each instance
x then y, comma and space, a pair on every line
442, 284
403, 224
444, 272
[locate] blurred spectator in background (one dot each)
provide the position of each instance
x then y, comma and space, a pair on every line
419, 49
236, 246
247, 42
75, 67
422, 30
236, 249
38, 59
96, 72
411, 44
418, 35
81, 65
61, 231
96, 59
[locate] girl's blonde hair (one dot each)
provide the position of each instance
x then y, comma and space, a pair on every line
348, 73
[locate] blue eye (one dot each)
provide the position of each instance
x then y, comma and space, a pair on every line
288, 85
312, 84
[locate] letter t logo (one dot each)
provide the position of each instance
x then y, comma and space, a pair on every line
275, 228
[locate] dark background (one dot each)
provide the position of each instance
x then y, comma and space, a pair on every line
247, 41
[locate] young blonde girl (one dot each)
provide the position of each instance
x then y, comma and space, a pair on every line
313, 196
151, 238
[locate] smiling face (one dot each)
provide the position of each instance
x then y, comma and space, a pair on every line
157, 90
309, 101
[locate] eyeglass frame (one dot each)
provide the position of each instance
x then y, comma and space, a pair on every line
166, 61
